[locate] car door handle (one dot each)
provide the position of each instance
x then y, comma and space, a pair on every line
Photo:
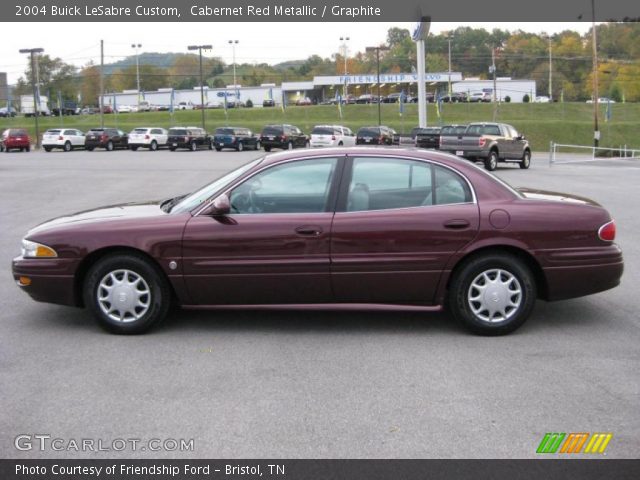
309, 230
456, 224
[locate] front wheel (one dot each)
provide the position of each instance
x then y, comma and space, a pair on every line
491, 162
126, 293
526, 160
493, 294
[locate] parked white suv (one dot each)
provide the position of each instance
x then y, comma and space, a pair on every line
65, 138
148, 137
332, 136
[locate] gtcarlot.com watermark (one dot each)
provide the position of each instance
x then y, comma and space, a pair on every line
48, 443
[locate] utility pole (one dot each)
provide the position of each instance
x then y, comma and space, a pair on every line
35, 80
596, 130
377, 50
233, 44
419, 36
345, 52
495, 83
550, 72
449, 92
101, 103
137, 46
200, 48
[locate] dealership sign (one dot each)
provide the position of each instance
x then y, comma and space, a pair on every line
386, 78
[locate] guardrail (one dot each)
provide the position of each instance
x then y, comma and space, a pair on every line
585, 153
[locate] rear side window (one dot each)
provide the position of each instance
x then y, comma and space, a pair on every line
156, 131
491, 130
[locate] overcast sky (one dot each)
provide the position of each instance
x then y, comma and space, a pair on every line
78, 43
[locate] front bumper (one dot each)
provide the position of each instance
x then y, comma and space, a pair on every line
52, 280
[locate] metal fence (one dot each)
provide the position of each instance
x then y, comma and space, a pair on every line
560, 153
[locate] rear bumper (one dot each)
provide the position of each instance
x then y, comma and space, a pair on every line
52, 279
576, 273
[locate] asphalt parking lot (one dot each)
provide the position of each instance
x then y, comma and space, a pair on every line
309, 384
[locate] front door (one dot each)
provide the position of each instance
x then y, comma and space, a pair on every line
273, 247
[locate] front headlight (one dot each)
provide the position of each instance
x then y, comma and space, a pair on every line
36, 250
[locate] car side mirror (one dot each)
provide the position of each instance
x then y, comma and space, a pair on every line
220, 206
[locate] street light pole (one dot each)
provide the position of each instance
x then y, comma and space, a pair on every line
345, 52
596, 130
137, 46
200, 48
550, 72
377, 50
35, 80
449, 40
233, 44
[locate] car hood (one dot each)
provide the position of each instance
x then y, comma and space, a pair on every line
103, 214
535, 194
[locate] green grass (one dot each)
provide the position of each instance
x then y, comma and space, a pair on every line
570, 123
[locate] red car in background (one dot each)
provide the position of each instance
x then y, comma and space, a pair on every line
15, 139
339, 226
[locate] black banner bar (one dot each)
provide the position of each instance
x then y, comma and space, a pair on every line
547, 469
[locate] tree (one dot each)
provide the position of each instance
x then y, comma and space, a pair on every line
54, 75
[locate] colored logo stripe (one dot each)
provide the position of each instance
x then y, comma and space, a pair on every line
598, 443
574, 443
550, 443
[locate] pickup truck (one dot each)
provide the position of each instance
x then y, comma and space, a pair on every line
490, 143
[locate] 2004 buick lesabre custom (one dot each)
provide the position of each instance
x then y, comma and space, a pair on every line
329, 228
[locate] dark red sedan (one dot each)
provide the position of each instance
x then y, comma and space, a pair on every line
401, 228
15, 139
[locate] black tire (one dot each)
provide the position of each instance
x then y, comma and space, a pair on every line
89, 149
267, 149
493, 264
491, 162
133, 149
290, 146
340, 144
158, 298
525, 163
27, 149
153, 146
240, 147
193, 146
218, 149
109, 146
67, 146
47, 149
172, 149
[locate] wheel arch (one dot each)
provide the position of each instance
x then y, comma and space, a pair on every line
523, 255
92, 258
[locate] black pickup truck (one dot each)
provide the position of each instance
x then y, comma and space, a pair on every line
428, 137
490, 143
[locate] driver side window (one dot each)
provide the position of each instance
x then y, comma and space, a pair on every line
295, 187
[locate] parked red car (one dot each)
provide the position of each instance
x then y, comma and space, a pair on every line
15, 139
334, 226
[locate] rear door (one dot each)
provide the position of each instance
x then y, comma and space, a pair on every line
397, 224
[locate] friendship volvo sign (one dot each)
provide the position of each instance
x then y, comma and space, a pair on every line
386, 78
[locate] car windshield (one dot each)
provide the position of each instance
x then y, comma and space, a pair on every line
224, 131
177, 131
322, 131
196, 198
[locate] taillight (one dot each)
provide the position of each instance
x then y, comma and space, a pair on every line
333, 137
607, 232
60, 137
147, 137
482, 141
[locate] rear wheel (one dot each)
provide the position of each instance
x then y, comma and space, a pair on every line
194, 146
109, 146
47, 149
240, 147
27, 149
493, 294
90, 149
153, 146
172, 149
491, 162
67, 146
267, 149
126, 293
526, 160
132, 148
218, 149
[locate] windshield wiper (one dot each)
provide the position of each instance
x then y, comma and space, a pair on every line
167, 205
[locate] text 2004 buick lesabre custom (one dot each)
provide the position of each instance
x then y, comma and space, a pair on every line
329, 228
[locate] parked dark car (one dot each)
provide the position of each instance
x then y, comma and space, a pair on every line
15, 139
192, 138
107, 138
413, 228
269, 102
237, 138
374, 136
428, 137
456, 97
283, 136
